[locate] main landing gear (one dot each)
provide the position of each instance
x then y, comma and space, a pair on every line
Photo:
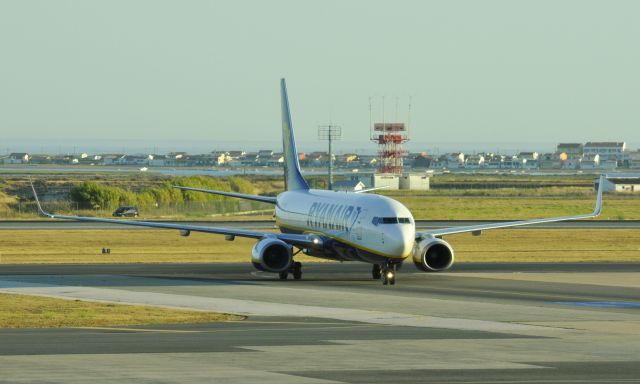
295, 270
387, 272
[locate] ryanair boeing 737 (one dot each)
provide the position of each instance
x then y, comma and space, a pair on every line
342, 226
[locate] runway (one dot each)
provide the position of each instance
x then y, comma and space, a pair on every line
268, 224
479, 323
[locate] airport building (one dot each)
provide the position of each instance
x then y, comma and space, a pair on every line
621, 182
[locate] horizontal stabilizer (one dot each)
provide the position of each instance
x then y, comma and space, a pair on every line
264, 199
366, 190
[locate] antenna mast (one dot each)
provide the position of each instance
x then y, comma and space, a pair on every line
330, 132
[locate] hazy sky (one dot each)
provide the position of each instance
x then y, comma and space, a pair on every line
207, 72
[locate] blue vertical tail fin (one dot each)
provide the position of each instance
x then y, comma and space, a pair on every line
293, 179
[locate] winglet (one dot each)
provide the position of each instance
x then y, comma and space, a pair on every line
40, 210
598, 209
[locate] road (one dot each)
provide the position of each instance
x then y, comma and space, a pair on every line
480, 323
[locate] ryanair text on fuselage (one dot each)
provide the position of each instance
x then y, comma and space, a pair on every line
332, 216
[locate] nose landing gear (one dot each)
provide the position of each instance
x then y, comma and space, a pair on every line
386, 272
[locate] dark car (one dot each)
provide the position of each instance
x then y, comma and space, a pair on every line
126, 212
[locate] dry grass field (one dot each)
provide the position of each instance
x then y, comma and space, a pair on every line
22, 311
548, 245
164, 246
459, 207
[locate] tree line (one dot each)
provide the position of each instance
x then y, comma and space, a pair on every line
93, 195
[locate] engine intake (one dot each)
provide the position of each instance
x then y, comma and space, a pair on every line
432, 255
272, 255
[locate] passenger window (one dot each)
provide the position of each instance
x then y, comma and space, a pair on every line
375, 220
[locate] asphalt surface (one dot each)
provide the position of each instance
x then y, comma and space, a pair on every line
265, 224
479, 323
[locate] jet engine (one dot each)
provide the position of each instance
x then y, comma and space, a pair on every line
432, 255
272, 255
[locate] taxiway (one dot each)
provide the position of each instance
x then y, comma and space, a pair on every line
478, 323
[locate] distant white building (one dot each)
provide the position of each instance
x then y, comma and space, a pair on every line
414, 181
348, 185
606, 150
493, 161
634, 159
591, 161
17, 158
474, 161
276, 160
621, 182
387, 180
510, 162
158, 160
455, 160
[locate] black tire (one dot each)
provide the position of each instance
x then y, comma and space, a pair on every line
376, 272
283, 275
297, 270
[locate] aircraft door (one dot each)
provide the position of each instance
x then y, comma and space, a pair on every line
357, 229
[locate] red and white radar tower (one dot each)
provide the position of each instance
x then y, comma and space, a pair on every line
390, 138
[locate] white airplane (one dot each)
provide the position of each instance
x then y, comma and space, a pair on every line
343, 226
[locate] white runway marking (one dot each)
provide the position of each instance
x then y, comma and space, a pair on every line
259, 308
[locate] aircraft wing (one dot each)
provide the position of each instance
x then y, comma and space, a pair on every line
301, 240
366, 190
481, 227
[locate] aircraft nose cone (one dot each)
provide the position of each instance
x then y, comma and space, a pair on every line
402, 240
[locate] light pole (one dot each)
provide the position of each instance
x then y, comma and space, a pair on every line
330, 133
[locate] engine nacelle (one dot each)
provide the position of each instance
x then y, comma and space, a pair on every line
272, 255
432, 255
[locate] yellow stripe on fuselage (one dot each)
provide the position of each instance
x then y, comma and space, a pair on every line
342, 240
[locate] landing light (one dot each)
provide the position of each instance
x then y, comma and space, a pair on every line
389, 275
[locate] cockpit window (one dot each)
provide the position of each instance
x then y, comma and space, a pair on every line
391, 220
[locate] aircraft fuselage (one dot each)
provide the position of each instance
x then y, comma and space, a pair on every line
362, 227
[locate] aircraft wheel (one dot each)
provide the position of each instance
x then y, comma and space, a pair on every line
283, 275
376, 272
297, 270
389, 274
